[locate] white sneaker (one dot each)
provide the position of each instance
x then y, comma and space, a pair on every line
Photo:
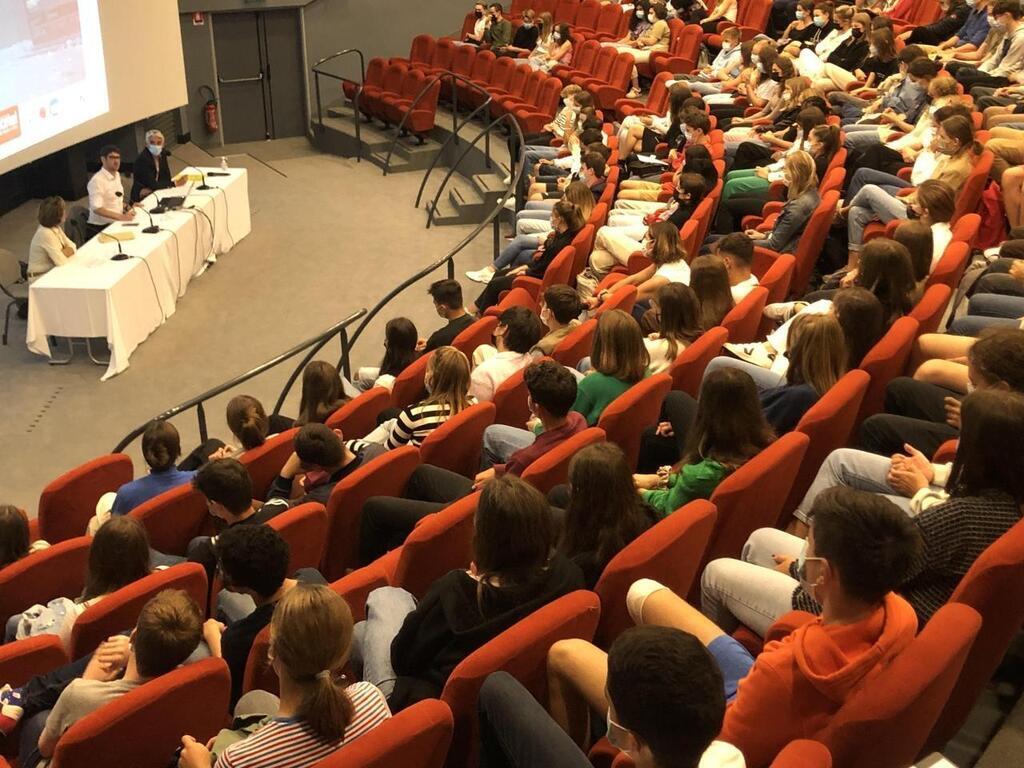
482, 275
755, 354
507, 180
510, 204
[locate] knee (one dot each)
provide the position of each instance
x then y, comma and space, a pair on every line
564, 654
931, 371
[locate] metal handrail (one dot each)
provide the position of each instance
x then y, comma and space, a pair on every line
446, 74
315, 343
355, 102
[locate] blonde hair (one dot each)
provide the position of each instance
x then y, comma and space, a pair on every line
547, 25
310, 636
570, 90
943, 85
796, 87
619, 349
802, 174
817, 351
449, 379
579, 194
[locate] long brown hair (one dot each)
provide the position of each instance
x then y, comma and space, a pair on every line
448, 369
310, 638
579, 194
666, 246
916, 237
988, 457
13, 534
248, 421
862, 319
118, 555
886, 271
619, 349
709, 280
817, 352
729, 427
678, 316
321, 393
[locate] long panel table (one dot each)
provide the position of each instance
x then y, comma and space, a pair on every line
93, 296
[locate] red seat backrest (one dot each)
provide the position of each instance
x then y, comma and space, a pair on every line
482, 64
583, 55
895, 710
174, 518
264, 462
559, 271
754, 14
992, 587
67, 503
669, 552
884, 362
304, 527
687, 371
803, 753
929, 310
828, 423
120, 610
517, 82
966, 228
969, 195
812, 241
393, 78
552, 469
602, 66
752, 497
565, 11
743, 320
416, 737
576, 345
58, 571
510, 401
191, 699
622, 298
777, 277
951, 265
439, 543
21, 660
583, 244
456, 444
610, 19
627, 415
385, 475
444, 51
620, 71
532, 88
422, 50
462, 60
500, 73
413, 82
548, 96
480, 332
358, 417
375, 72
409, 387
657, 97
587, 15
521, 650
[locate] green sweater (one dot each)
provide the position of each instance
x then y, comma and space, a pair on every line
693, 481
594, 393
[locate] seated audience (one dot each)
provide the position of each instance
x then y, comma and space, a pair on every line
619, 360
737, 253
14, 536
447, 296
675, 312
559, 310
400, 342
802, 198
518, 330
322, 393
161, 447
50, 246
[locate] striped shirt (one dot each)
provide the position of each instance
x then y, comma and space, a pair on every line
288, 742
416, 422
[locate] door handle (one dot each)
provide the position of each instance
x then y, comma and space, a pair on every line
231, 81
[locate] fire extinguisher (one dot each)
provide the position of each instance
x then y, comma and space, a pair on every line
210, 116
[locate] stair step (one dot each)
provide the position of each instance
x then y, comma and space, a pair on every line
447, 213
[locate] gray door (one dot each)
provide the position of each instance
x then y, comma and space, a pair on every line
259, 70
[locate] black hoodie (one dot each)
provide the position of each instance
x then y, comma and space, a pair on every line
448, 625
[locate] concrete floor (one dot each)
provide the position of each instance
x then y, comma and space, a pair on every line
329, 236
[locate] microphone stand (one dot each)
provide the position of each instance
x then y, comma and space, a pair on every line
152, 229
204, 186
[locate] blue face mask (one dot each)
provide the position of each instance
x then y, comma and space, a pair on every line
154, 150
820, 22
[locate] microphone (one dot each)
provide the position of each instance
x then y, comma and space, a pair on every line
121, 255
152, 229
204, 185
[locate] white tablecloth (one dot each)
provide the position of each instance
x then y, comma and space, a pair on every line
125, 301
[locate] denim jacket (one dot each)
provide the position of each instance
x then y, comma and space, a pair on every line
907, 99
791, 222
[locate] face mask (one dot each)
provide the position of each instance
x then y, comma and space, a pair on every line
639, 14
776, 76
652, 18
994, 23
970, 386
615, 733
689, 135
545, 315
154, 150
478, 14
801, 570
819, 22
971, 3
755, 59
557, 37
727, 47
945, 146
787, 95
856, 33
874, 51
801, 14
528, 24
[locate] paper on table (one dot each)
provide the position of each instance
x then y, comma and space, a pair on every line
123, 235
651, 159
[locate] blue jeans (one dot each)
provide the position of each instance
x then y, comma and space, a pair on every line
861, 137
996, 305
972, 325
517, 252
886, 181
386, 610
871, 203
763, 378
853, 469
501, 441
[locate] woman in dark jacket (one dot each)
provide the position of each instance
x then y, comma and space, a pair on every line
566, 222
150, 171
409, 649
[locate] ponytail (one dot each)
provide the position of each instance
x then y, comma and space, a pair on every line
326, 707
248, 421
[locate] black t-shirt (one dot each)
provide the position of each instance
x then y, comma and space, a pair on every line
236, 642
443, 337
526, 37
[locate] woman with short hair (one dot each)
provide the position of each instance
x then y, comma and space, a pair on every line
50, 247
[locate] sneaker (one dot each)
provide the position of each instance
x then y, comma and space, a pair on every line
510, 204
11, 709
482, 275
507, 180
633, 94
755, 354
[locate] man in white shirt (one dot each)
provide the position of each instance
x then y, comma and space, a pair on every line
737, 251
519, 329
107, 201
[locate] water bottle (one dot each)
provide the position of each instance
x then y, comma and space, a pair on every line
223, 163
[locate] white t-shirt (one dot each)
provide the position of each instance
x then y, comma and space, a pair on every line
779, 338
105, 191
675, 272
743, 288
721, 754
489, 375
942, 235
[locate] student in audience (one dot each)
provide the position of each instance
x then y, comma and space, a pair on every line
248, 423
483, 20
656, 38
166, 633
802, 198
737, 253
447, 382
322, 393
675, 312
447, 297
618, 361
916, 237
860, 548
559, 51
400, 351
924, 415
559, 310
408, 649
14, 536
709, 280
518, 330
900, 97
960, 509
728, 428
885, 266
118, 555
50, 246
604, 512
1006, 60
317, 712
161, 447
525, 38
387, 521
658, 690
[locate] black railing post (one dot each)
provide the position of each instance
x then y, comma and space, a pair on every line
319, 103
201, 415
346, 367
497, 237
451, 268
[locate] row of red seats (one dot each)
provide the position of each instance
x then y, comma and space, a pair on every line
590, 19
390, 94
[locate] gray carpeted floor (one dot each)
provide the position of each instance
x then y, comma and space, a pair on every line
329, 236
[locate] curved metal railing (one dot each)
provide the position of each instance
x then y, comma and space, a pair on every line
355, 108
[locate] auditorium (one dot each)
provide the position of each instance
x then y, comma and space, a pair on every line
410, 385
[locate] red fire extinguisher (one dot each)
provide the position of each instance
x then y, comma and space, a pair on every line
210, 116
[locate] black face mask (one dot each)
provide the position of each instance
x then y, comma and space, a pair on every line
478, 14
856, 33
776, 76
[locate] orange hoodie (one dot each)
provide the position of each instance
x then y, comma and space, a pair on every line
798, 683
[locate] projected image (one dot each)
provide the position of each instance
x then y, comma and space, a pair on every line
51, 57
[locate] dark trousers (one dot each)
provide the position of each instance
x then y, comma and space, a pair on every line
491, 293
40, 695
739, 206
200, 455
91, 230
915, 413
969, 77
387, 520
750, 154
680, 410
996, 278
516, 731
880, 158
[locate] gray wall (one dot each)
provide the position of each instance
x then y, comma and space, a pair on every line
376, 27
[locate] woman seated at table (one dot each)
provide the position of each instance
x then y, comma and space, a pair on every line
50, 247
151, 172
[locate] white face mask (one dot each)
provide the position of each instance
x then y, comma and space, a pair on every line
755, 59
651, 18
